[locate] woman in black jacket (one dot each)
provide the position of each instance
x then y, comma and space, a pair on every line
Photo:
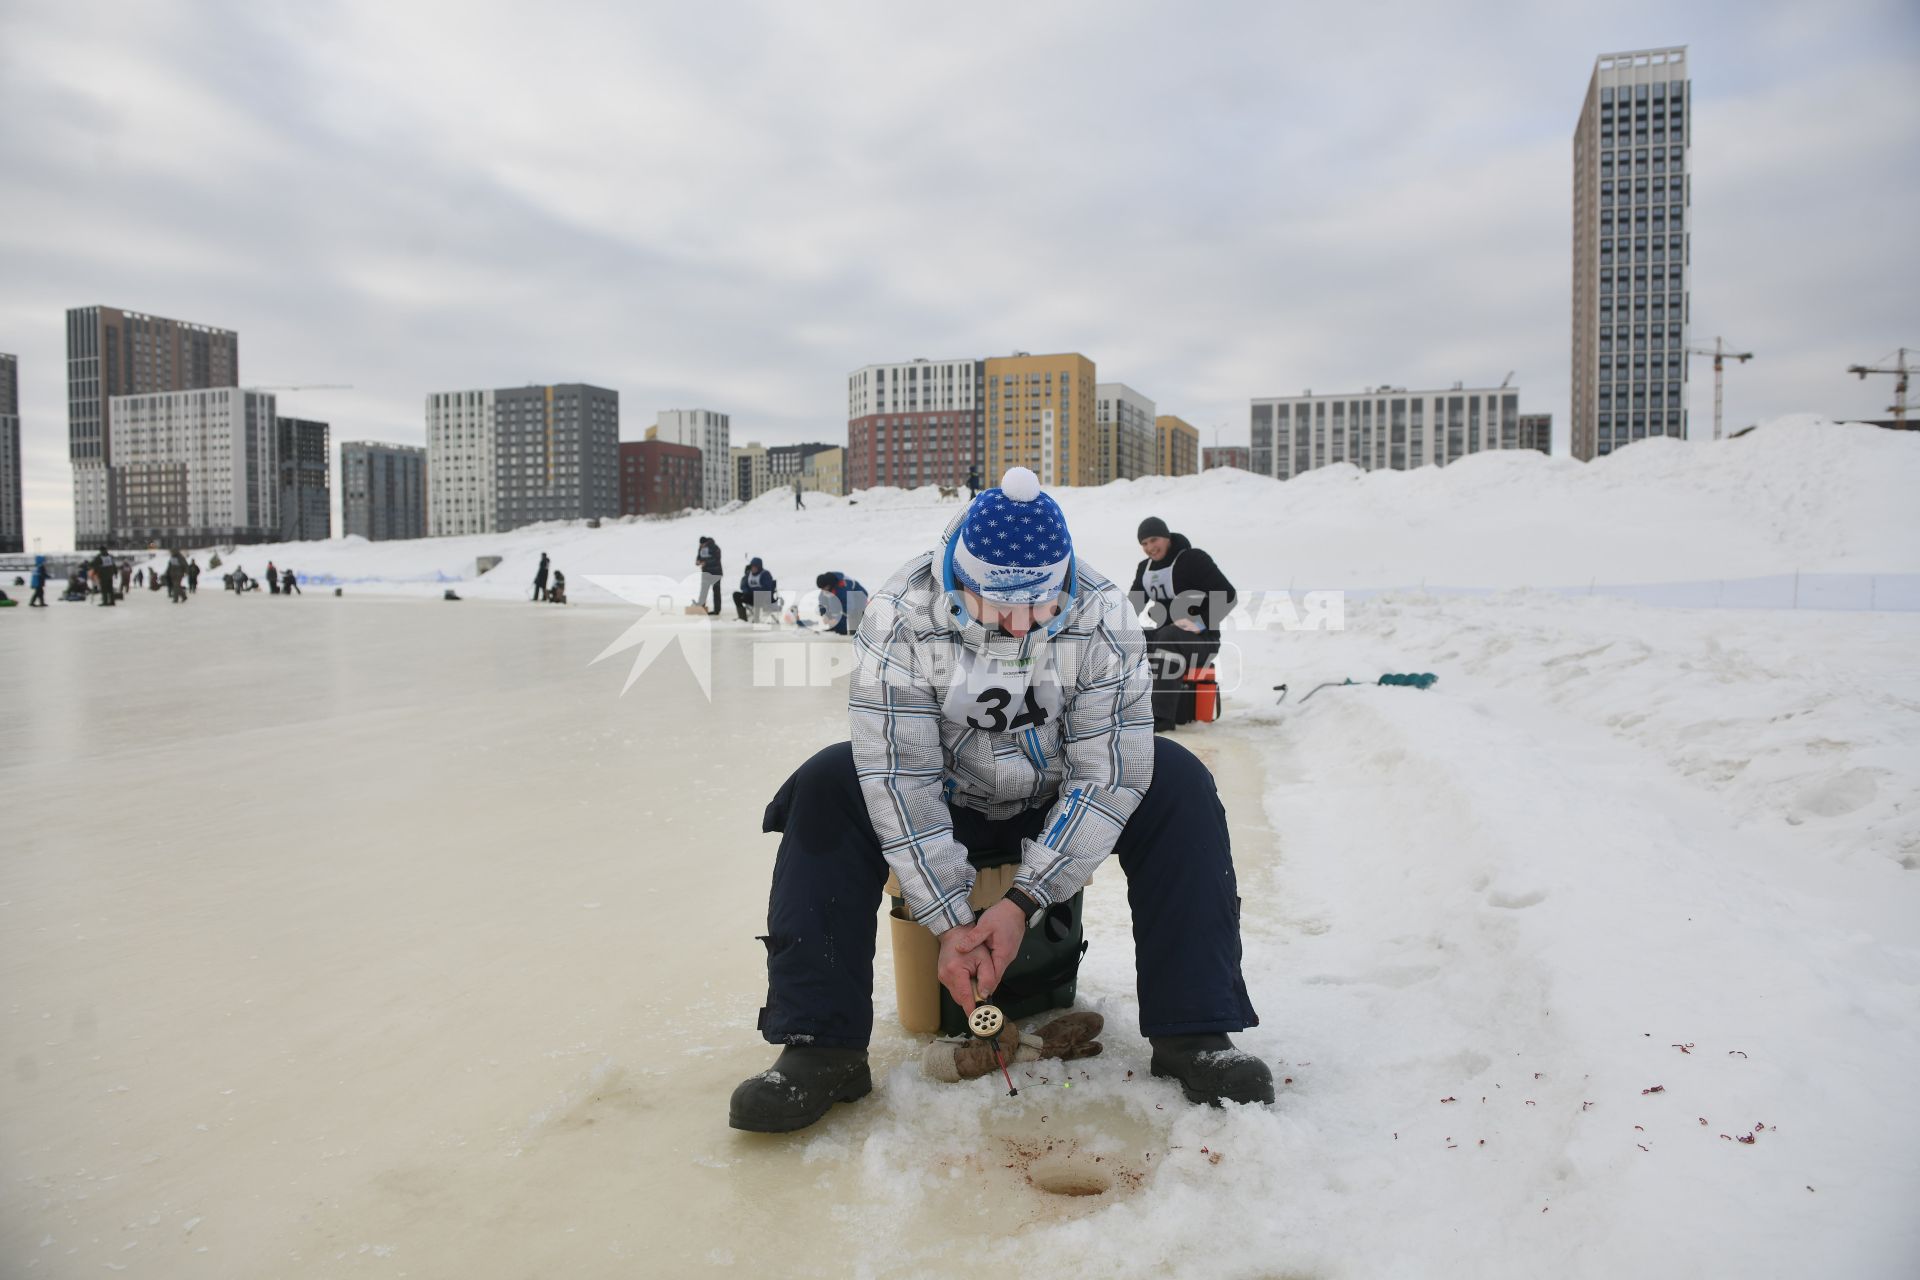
1186, 598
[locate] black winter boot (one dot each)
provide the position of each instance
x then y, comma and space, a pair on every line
801, 1086
1211, 1070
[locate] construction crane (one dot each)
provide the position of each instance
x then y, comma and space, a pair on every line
1899, 370
1509, 378
1720, 356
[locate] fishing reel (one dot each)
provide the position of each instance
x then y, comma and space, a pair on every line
986, 1020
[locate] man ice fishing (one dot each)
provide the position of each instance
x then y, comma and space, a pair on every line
1001, 700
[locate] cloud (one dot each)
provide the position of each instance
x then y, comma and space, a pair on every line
734, 205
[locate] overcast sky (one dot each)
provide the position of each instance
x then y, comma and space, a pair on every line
732, 206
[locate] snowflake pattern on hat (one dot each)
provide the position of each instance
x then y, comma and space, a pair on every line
1014, 551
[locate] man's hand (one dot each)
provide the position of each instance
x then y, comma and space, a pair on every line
1188, 624
980, 953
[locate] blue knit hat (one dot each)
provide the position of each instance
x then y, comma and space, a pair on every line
1013, 546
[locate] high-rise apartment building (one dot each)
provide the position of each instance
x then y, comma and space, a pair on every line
712, 434
1536, 431
750, 470
1381, 428
520, 455
914, 423
788, 462
306, 497
1177, 443
558, 453
1631, 251
658, 477
1040, 415
195, 468
825, 471
111, 352
1226, 455
462, 443
1125, 444
12, 517
383, 491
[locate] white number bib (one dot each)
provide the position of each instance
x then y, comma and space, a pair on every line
1159, 583
1003, 697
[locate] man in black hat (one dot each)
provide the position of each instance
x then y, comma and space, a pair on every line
707, 557
1186, 598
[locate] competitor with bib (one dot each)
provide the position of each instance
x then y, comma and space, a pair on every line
1186, 598
1001, 701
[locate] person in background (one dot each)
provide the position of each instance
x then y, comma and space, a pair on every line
39, 597
139, 577
799, 504
973, 483
273, 580
842, 602
126, 577
540, 580
756, 592
708, 558
105, 572
1186, 598
288, 586
557, 593
176, 578
193, 575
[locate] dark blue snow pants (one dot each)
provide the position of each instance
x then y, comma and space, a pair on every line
828, 878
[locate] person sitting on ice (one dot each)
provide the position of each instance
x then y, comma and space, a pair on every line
557, 592
1000, 701
1186, 598
756, 593
842, 602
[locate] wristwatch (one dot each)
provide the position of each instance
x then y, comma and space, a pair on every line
1026, 905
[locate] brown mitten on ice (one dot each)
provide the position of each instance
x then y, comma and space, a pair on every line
1071, 1036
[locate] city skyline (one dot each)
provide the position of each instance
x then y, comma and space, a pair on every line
716, 222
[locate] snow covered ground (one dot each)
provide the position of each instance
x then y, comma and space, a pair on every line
372, 936
1797, 495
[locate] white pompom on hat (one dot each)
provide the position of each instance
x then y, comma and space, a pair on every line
1020, 484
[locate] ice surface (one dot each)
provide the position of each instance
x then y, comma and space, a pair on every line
383, 936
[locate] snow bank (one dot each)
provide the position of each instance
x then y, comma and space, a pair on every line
1798, 495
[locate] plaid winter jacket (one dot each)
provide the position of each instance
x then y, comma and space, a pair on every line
945, 712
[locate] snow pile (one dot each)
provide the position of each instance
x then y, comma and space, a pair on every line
1598, 958
1795, 495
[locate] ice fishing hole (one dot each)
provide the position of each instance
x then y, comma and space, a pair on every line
1069, 1178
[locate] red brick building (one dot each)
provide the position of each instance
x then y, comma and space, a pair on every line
915, 423
912, 449
658, 477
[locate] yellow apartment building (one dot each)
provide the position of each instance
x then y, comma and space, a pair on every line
1040, 415
1179, 446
